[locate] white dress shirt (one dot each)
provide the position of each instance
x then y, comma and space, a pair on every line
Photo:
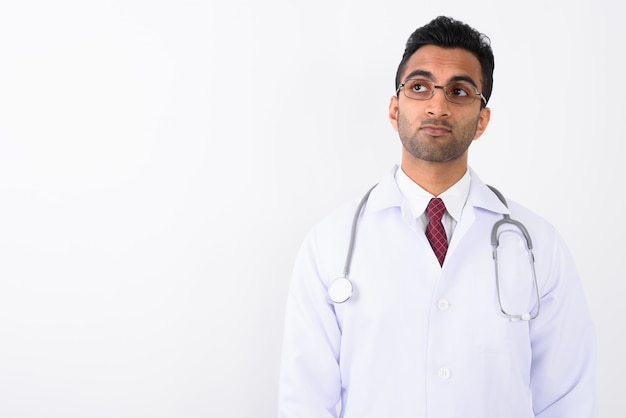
417, 199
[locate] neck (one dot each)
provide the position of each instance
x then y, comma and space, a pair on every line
435, 177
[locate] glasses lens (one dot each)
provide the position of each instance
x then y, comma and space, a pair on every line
418, 89
461, 92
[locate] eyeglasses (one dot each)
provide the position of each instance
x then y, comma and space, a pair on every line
459, 92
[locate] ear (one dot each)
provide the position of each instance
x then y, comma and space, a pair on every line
483, 121
393, 112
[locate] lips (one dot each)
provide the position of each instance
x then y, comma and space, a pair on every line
435, 130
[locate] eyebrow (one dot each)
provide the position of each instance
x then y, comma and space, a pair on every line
427, 74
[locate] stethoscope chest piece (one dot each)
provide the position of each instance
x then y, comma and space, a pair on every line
340, 290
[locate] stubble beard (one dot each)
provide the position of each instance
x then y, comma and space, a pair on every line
438, 149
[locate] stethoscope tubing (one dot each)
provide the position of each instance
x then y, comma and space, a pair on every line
353, 231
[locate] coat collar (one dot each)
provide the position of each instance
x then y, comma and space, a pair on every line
481, 196
387, 195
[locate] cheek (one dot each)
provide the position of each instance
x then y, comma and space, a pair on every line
403, 124
470, 126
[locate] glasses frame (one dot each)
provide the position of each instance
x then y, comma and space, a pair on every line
443, 88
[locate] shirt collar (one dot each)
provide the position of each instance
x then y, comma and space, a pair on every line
387, 195
417, 198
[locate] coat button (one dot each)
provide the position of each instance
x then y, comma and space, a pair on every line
443, 304
444, 373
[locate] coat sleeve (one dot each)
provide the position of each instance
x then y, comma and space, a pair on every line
310, 381
563, 343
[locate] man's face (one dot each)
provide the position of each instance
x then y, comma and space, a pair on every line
436, 129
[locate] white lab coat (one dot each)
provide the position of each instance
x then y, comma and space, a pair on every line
420, 340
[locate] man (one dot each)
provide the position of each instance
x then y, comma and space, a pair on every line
433, 329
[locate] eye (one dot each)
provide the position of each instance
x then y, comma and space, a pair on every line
460, 90
419, 86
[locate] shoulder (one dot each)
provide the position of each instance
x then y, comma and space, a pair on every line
336, 223
521, 211
379, 197
483, 196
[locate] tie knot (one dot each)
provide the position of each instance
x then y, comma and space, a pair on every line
435, 209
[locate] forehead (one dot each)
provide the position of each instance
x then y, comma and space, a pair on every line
444, 63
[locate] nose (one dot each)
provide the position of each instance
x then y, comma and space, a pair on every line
437, 105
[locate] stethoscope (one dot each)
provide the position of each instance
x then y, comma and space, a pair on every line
341, 289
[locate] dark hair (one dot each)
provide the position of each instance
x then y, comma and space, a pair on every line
446, 32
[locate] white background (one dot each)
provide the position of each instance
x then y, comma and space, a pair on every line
161, 162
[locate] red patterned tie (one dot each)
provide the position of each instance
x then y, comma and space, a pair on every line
434, 231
